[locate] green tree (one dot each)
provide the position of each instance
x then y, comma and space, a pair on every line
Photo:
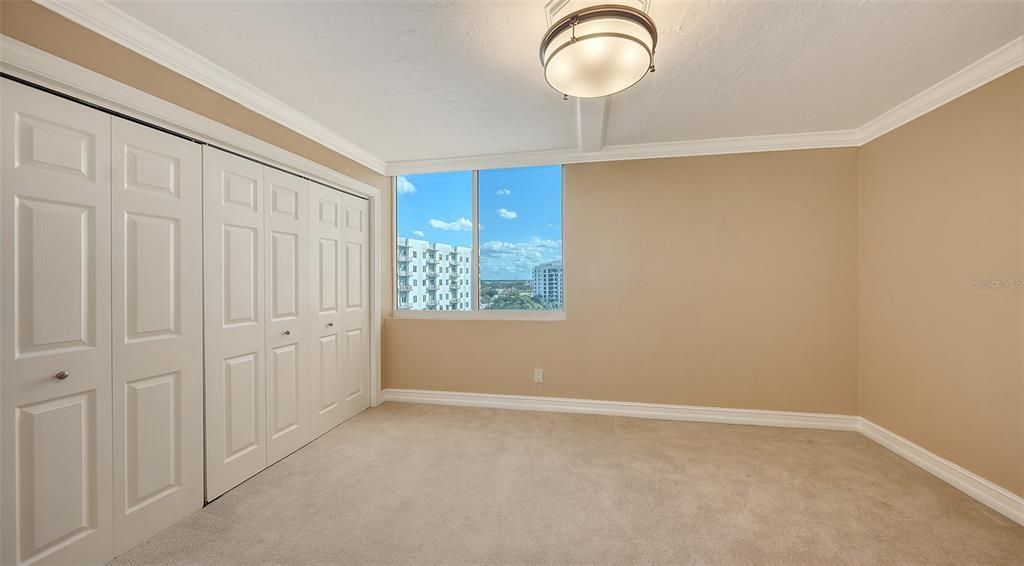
515, 301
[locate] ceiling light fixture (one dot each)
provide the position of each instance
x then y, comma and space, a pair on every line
598, 51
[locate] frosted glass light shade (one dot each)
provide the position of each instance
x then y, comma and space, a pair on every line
598, 51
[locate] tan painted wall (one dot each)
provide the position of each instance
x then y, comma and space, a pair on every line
32, 24
728, 281
941, 208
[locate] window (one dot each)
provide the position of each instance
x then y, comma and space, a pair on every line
487, 240
522, 211
435, 227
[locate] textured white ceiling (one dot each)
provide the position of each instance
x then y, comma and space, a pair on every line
430, 80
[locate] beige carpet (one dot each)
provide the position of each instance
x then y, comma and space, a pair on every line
420, 484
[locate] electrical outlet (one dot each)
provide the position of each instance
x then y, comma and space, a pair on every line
538, 375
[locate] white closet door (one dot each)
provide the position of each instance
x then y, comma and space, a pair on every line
55, 387
327, 249
355, 297
288, 313
157, 333
236, 432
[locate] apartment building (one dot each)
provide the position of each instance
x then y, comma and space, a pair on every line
547, 283
433, 276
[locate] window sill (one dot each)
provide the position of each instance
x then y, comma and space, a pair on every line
508, 315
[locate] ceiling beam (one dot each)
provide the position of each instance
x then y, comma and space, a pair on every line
591, 118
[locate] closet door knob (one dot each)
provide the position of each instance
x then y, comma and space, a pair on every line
287, 332
62, 375
330, 324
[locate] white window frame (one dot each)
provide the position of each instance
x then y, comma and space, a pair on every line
476, 313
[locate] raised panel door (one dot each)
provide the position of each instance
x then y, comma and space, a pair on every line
327, 249
55, 411
235, 321
157, 330
288, 313
355, 369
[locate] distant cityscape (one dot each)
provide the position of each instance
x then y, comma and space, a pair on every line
436, 276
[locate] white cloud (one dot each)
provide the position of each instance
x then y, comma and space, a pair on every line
405, 187
507, 214
516, 259
460, 225
503, 192
418, 233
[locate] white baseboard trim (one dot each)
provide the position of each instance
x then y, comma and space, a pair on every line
627, 409
986, 492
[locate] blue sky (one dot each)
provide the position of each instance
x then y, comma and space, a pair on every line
520, 215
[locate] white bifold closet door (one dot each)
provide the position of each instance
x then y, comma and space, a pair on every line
102, 331
286, 302
157, 330
126, 253
355, 369
55, 385
236, 431
258, 318
288, 314
340, 238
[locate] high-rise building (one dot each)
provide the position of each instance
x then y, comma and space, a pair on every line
547, 283
433, 276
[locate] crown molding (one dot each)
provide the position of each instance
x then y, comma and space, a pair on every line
42, 68
112, 23
985, 70
117, 26
690, 148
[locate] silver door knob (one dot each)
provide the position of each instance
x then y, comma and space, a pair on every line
62, 374
330, 324
287, 332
